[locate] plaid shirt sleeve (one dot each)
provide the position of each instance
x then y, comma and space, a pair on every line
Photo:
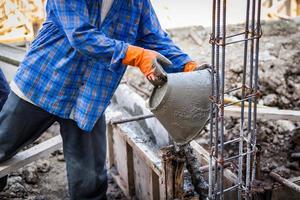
152, 36
73, 17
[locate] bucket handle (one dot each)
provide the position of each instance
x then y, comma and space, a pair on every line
159, 72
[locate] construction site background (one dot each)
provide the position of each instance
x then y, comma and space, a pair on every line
279, 80
21, 19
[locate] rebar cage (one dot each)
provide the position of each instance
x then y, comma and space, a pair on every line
246, 141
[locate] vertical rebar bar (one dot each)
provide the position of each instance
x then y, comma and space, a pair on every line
250, 74
241, 144
249, 128
258, 31
217, 95
212, 105
222, 99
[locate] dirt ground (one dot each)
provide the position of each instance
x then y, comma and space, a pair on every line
47, 179
279, 83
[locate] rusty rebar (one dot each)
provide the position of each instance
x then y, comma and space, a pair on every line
249, 88
132, 119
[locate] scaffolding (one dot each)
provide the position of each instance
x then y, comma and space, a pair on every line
246, 141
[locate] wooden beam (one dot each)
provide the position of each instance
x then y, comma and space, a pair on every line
293, 8
28, 156
144, 151
11, 54
110, 147
298, 7
203, 157
265, 113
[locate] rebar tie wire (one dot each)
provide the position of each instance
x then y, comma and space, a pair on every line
220, 42
250, 94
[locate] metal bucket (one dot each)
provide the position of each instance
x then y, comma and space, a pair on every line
182, 105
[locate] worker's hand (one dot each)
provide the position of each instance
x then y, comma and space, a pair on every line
193, 66
150, 63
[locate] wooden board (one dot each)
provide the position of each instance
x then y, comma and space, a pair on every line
133, 165
9, 70
142, 178
25, 157
11, 54
282, 192
229, 177
138, 170
265, 113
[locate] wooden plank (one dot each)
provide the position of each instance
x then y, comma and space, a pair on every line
147, 154
119, 180
265, 113
293, 8
12, 55
155, 186
34, 153
142, 178
169, 179
283, 192
229, 177
110, 148
298, 7
9, 70
120, 162
131, 164
173, 167
130, 168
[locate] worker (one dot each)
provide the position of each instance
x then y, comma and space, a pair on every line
4, 91
71, 72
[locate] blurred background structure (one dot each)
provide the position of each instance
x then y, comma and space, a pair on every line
20, 19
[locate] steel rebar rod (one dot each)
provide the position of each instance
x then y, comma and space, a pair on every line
206, 167
217, 95
237, 156
228, 189
241, 144
132, 119
249, 88
237, 34
258, 27
222, 98
211, 183
250, 134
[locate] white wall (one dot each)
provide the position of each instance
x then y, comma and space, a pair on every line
181, 13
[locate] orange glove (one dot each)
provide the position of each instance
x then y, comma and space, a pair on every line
193, 66
150, 63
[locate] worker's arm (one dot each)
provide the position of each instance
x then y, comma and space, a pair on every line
73, 17
152, 36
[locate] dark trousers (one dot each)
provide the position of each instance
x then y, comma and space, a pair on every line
21, 123
4, 89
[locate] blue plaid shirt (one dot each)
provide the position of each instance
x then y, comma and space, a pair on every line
75, 63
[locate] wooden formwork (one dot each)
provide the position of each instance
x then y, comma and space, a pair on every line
139, 171
142, 174
281, 9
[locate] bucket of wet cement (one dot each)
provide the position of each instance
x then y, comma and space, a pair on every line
182, 105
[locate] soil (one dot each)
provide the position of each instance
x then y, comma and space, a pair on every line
47, 179
279, 84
